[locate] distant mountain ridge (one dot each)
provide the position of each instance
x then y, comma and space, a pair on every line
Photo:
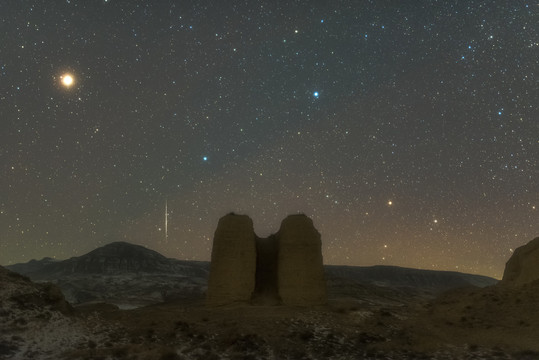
121, 273
31, 266
126, 274
399, 277
112, 259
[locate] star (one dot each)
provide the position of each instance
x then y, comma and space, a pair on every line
67, 80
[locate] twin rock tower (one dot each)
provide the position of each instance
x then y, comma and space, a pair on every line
285, 268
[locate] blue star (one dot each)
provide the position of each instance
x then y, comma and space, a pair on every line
316, 94
205, 158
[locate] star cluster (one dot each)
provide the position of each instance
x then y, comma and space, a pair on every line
408, 131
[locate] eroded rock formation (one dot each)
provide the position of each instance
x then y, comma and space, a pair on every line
285, 268
233, 261
523, 266
301, 273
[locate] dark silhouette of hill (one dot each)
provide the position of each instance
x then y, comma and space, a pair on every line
123, 274
430, 281
112, 259
31, 266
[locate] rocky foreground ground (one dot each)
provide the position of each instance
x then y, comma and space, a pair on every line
362, 323
342, 330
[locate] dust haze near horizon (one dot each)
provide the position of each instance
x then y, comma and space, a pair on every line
408, 132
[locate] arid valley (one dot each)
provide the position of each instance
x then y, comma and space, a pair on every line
371, 313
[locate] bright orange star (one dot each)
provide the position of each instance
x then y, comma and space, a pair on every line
67, 80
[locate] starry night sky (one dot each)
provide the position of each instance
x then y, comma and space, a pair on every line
407, 130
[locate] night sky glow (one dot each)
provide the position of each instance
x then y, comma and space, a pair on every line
407, 130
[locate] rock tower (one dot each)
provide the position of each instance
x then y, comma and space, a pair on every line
233, 261
285, 268
301, 273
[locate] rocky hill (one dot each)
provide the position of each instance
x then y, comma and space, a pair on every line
112, 259
121, 273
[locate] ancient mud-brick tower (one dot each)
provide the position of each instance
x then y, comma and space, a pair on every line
300, 273
233, 261
285, 268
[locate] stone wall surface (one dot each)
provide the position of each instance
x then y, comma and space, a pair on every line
301, 272
233, 261
523, 266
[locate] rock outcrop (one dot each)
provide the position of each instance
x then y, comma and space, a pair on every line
523, 266
233, 261
28, 295
285, 268
301, 272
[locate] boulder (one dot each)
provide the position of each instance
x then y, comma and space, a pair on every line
233, 261
523, 266
300, 265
